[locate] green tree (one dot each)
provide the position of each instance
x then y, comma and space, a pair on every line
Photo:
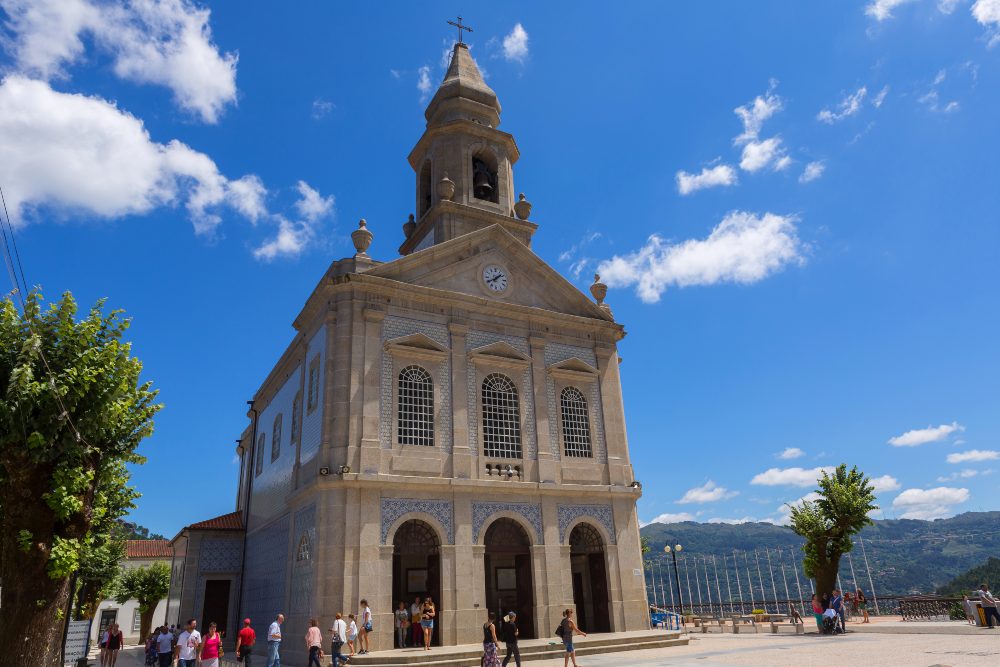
147, 585
72, 412
827, 524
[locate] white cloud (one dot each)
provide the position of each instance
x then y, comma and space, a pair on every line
922, 436
321, 108
784, 511
936, 503
754, 113
879, 98
885, 483
848, 106
812, 171
987, 13
668, 517
311, 204
83, 153
515, 44
709, 492
424, 82
974, 455
965, 473
791, 453
579, 264
790, 476
881, 10
166, 43
721, 174
743, 248
947, 6
759, 154
746, 519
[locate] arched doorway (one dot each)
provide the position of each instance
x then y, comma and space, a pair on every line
416, 568
509, 585
590, 579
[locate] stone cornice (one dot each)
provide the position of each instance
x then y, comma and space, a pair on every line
462, 126
486, 217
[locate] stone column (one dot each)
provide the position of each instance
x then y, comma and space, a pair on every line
371, 377
547, 470
448, 617
628, 557
382, 604
461, 456
470, 626
540, 590
558, 592
619, 469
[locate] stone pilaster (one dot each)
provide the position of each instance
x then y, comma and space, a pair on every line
619, 468
461, 457
370, 394
547, 470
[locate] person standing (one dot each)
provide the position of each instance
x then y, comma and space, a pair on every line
314, 643
352, 632
986, 600
115, 641
817, 608
103, 644
427, 614
188, 645
164, 647
366, 627
339, 631
245, 639
211, 648
274, 642
568, 627
402, 620
417, 635
510, 634
490, 657
862, 602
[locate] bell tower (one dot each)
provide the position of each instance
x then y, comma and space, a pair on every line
464, 164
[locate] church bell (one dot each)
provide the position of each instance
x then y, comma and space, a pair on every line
481, 185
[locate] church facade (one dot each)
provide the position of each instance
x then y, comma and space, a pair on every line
449, 423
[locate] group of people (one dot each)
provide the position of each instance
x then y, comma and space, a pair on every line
831, 609
111, 642
187, 648
509, 634
414, 623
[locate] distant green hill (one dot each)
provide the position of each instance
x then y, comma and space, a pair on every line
987, 573
907, 556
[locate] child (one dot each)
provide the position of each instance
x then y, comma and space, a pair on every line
352, 632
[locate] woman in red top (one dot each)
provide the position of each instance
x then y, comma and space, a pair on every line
211, 647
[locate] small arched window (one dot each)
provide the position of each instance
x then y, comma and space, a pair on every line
276, 439
259, 456
305, 549
424, 189
575, 423
415, 421
297, 418
501, 418
484, 178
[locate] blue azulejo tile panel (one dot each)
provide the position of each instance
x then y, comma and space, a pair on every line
303, 557
266, 574
220, 554
532, 513
601, 514
441, 510
312, 421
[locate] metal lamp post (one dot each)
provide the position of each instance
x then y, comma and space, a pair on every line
677, 577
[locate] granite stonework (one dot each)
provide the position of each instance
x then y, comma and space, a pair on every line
323, 518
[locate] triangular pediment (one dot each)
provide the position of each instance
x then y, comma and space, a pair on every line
417, 341
574, 364
502, 350
458, 265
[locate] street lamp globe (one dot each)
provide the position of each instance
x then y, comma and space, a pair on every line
678, 548
666, 549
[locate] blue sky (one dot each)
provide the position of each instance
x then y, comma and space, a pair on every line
795, 205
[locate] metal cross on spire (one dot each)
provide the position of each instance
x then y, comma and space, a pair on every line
460, 28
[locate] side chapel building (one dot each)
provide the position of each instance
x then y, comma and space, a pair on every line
449, 423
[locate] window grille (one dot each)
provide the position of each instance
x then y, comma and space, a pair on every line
313, 398
303, 552
276, 439
297, 418
136, 620
501, 418
416, 407
575, 423
259, 463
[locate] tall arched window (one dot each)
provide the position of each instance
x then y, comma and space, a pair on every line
484, 177
276, 439
575, 423
416, 407
501, 418
259, 456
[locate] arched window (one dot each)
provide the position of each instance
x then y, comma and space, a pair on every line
415, 422
425, 189
276, 439
501, 418
297, 418
259, 456
484, 178
304, 551
575, 423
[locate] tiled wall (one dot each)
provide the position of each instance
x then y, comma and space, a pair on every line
304, 532
266, 574
312, 424
272, 486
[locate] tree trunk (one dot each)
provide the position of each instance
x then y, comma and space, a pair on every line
146, 622
826, 576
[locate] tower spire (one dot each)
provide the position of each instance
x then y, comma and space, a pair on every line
463, 93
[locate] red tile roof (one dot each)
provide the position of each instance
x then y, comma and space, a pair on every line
231, 521
148, 549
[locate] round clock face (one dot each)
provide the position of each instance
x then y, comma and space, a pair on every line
495, 277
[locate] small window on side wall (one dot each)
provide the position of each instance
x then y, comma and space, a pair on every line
313, 397
259, 456
297, 418
276, 439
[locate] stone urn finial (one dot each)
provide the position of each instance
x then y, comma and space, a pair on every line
599, 290
522, 208
362, 238
409, 226
446, 187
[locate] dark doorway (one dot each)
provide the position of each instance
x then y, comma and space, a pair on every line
590, 579
416, 570
509, 585
108, 616
216, 607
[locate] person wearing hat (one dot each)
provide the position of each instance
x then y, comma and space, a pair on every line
509, 633
245, 639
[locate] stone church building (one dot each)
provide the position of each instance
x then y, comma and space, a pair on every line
449, 423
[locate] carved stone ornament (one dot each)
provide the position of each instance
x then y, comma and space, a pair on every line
599, 290
362, 238
446, 187
522, 208
409, 226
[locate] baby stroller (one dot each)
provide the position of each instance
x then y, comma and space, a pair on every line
830, 624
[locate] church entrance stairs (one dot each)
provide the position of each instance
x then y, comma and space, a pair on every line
469, 655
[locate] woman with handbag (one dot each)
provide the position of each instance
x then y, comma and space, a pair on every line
427, 614
211, 648
567, 628
490, 657
314, 644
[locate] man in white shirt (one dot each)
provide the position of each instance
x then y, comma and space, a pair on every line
989, 605
164, 647
274, 642
188, 645
339, 631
